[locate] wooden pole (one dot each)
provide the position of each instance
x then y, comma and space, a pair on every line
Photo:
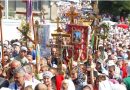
36, 26
71, 61
96, 40
87, 42
58, 22
1, 8
26, 36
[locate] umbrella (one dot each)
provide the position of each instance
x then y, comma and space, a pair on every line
124, 26
108, 22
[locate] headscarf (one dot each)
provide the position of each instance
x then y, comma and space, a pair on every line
47, 74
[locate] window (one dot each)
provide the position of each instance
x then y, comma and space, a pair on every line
37, 5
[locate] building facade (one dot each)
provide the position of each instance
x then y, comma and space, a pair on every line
13, 6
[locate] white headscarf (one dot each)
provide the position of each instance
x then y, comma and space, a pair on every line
47, 74
107, 85
69, 83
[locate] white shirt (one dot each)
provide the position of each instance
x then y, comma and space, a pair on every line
14, 86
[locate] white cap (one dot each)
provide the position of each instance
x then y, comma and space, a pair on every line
110, 63
23, 48
16, 43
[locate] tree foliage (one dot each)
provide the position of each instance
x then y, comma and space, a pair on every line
121, 8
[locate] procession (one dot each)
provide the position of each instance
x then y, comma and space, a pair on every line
65, 45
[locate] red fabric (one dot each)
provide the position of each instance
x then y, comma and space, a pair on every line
82, 45
125, 26
95, 88
124, 72
59, 79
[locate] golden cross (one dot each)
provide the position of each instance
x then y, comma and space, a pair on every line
58, 22
72, 14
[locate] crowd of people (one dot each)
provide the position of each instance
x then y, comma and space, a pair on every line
107, 68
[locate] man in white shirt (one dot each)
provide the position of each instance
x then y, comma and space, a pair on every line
29, 74
19, 80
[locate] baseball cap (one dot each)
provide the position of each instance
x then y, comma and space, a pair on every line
23, 48
16, 43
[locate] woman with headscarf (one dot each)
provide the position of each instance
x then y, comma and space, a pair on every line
47, 76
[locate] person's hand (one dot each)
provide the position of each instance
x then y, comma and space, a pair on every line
6, 66
93, 65
88, 69
49, 87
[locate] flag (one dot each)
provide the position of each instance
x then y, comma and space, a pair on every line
29, 17
29, 10
38, 52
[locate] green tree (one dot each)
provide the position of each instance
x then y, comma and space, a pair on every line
121, 8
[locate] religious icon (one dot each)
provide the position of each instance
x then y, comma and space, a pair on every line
76, 36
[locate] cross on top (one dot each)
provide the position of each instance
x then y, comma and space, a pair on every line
58, 22
43, 13
72, 14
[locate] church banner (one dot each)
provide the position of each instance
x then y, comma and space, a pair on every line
43, 34
79, 40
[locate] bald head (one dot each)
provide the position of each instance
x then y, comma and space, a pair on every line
53, 51
41, 86
14, 64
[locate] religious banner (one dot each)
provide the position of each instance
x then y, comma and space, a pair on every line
79, 39
44, 33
